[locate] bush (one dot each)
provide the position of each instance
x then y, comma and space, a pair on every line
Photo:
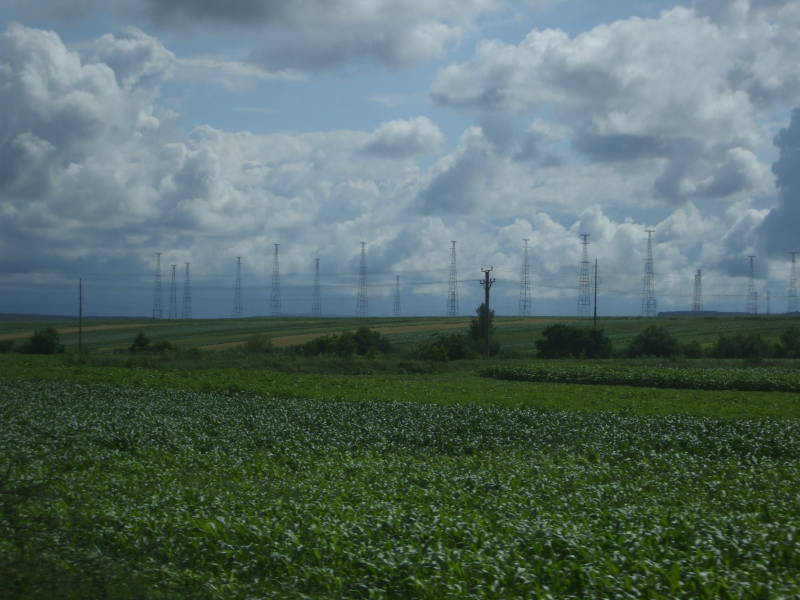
655, 340
693, 349
258, 344
742, 345
45, 341
363, 342
477, 330
455, 346
6, 346
789, 344
141, 343
564, 341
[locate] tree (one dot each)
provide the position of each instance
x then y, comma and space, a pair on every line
654, 340
477, 330
141, 343
44, 341
789, 345
563, 341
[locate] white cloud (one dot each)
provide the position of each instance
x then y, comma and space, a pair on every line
404, 138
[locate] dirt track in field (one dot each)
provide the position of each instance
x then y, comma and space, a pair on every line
25, 334
302, 338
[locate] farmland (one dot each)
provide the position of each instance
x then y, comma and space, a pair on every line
229, 475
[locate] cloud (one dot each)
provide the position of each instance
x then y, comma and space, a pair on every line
635, 90
410, 137
779, 230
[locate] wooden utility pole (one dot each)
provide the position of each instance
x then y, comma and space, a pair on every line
487, 285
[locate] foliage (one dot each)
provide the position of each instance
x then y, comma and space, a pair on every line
762, 379
44, 341
693, 349
748, 345
654, 340
364, 342
478, 327
563, 341
789, 344
133, 493
444, 347
141, 343
258, 344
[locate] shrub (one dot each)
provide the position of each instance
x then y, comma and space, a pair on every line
45, 341
789, 344
363, 342
258, 344
477, 330
454, 346
563, 341
141, 343
742, 345
654, 340
693, 349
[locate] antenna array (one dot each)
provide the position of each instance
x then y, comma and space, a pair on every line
173, 300
237, 290
697, 305
584, 283
316, 300
186, 308
648, 281
452, 284
752, 294
525, 283
275, 293
157, 295
361, 298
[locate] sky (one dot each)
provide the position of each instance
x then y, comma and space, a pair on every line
207, 130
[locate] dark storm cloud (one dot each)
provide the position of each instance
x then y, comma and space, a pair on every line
780, 231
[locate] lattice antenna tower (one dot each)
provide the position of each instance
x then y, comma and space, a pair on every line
316, 298
792, 303
396, 308
275, 294
361, 298
158, 311
173, 297
186, 308
452, 284
525, 283
697, 304
237, 290
584, 281
648, 281
752, 295
768, 301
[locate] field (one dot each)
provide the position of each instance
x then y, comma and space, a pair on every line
227, 475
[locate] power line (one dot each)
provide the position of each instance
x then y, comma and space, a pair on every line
584, 285
237, 290
648, 281
452, 284
275, 293
157, 294
173, 300
525, 283
316, 299
361, 298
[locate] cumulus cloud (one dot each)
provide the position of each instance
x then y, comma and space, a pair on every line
404, 138
684, 91
779, 230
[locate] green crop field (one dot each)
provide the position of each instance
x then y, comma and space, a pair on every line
241, 474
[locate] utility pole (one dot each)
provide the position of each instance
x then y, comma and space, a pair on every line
316, 300
752, 295
80, 314
397, 296
648, 281
583, 279
361, 298
158, 311
452, 287
594, 319
487, 285
237, 290
525, 283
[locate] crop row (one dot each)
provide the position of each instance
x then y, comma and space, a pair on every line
752, 379
119, 492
